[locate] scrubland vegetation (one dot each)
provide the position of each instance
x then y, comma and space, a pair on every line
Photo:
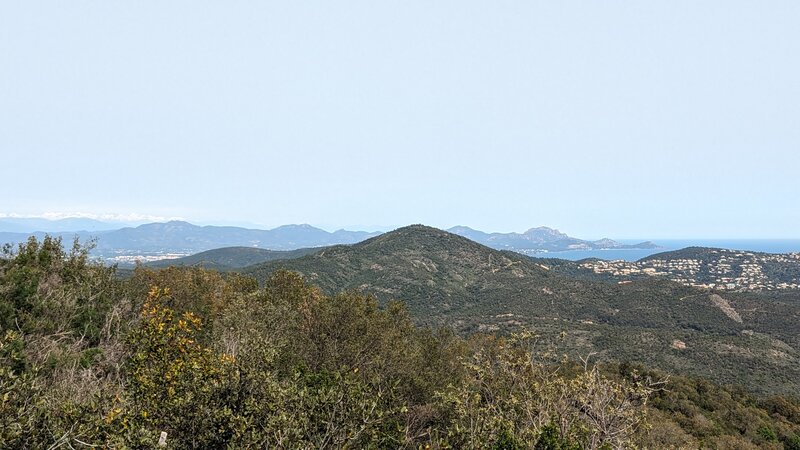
216, 361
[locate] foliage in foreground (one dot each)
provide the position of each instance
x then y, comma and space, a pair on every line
215, 362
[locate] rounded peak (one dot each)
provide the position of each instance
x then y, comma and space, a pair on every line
605, 240
297, 226
171, 223
418, 227
411, 230
462, 228
544, 230
416, 236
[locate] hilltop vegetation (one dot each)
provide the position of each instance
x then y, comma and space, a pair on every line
215, 361
229, 258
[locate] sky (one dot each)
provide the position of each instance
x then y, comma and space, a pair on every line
657, 119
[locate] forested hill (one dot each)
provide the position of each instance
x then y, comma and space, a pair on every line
436, 273
183, 237
448, 280
228, 258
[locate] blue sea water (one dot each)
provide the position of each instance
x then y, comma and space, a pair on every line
753, 245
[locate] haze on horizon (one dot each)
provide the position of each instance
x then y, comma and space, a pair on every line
666, 119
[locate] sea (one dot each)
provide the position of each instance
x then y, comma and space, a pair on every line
666, 245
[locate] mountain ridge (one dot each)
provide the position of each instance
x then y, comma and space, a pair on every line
231, 258
182, 238
542, 238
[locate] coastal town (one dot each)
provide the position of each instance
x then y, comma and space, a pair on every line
130, 259
718, 269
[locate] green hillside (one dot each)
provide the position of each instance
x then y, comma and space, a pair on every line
447, 280
232, 257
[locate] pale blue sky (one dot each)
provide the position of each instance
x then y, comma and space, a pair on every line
602, 118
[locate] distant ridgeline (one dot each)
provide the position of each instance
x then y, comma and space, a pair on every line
542, 239
176, 239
